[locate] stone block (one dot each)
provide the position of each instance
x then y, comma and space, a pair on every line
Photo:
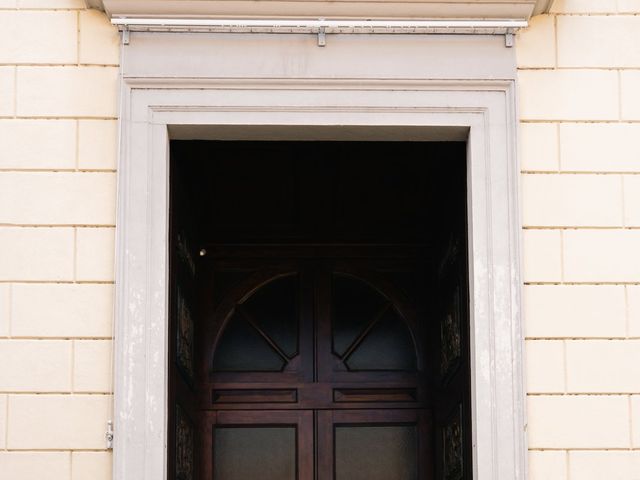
39, 37
62, 310
92, 366
95, 254
58, 422
545, 366
603, 366
41, 254
601, 256
542, 255
54, 150
578, 422
67, 91
35, 365
568, 95
571, 200
57, 198
565, 311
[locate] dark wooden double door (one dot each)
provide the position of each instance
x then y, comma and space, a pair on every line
324, 334
314, 368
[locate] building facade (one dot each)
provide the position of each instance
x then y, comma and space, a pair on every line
578, 84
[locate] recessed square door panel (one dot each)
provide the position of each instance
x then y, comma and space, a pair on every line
243, 445
373, 445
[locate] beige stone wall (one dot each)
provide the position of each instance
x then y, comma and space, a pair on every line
58, 88
580, 149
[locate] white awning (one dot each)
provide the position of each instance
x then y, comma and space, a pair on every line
470, 10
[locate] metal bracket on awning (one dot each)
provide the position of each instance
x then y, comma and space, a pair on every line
509, 39
322, 27
322, 38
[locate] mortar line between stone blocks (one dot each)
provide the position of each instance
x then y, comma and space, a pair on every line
594, 283
581, 449
558, 147
630, 422
36, 9
594, 68
523, 172
59, 450
581, 394
65, 65
536, 227
624, 205
15, 92
627, 321
10, 326
75, 254
68, 170
562, 257
6, 422
613, 339
79, 117
619, 76
58, 282
578, 121
555, 41
567, 464
78, 37
43, 338
60, 225
77, 150
565, 366
58, 394
72, 366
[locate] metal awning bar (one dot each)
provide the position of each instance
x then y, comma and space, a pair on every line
495, 27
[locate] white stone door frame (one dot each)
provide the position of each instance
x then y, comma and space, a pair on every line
480, 111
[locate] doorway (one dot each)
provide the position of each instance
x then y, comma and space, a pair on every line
319, 311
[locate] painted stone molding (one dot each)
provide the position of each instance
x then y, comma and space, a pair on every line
433, 9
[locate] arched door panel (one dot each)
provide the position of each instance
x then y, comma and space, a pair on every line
313, 369
259, 331
367, 329
314, 334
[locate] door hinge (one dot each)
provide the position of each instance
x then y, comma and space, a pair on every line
109, 435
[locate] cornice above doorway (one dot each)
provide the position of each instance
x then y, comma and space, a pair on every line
335, 9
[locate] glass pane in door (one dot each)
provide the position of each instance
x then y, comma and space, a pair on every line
274, 308
376, 452
388, 346
243, 349
265, 453
355, 305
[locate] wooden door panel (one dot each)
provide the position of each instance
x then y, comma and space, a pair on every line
314, 396
272, 445
237, 323
384, 410
374, 445
452, 400
367, 329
